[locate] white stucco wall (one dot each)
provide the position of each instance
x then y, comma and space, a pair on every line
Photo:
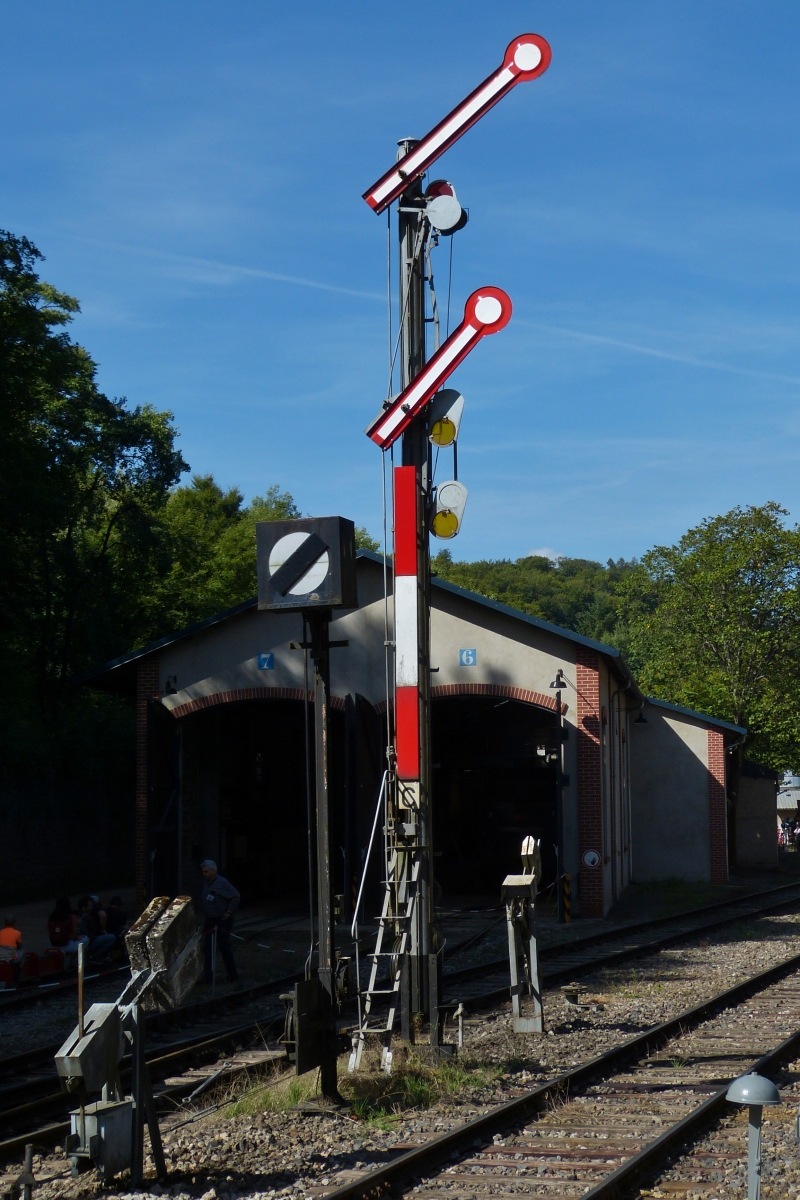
508, 653
670, 811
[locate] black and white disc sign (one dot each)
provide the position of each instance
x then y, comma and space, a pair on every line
306, 563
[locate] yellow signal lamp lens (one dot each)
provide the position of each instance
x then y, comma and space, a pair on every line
443, 432
444, 524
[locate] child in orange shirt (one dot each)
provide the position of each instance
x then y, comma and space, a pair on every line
10, 942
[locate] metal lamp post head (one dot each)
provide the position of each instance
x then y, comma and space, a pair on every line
753, 1089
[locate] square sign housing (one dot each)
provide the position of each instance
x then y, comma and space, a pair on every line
306, 563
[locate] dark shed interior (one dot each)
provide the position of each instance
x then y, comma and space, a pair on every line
495, 779
229, 783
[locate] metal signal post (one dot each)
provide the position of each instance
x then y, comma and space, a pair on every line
408, 914
416, 453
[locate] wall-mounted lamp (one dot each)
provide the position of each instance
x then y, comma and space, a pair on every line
170, 689
641, 719
559, 682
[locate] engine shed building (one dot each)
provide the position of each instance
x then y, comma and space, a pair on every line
222, 710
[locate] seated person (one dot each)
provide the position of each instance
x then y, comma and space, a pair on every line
90, 927
62, 927
11, 945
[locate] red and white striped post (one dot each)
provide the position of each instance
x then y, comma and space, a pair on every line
406, 624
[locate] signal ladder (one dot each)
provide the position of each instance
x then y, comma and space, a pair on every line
403, 865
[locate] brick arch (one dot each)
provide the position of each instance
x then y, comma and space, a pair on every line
504, 691
254, 693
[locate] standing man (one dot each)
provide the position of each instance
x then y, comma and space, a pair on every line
220, 901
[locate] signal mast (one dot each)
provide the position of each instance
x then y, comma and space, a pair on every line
422, 415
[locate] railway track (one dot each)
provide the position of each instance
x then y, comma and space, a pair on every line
561, 963
176, 1070
29, 1090
574, 955
608, 1125
41, 990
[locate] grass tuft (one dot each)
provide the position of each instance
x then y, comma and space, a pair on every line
278, 1095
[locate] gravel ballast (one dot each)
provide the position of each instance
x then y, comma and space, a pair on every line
238, 1152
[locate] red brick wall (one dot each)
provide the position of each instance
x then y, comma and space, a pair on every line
717, 822
590, 780
147, 687
255, 693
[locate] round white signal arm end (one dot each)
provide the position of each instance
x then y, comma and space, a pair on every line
527, 56
488, 310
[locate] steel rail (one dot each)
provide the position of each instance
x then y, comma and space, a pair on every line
186, 1047
160, 1063
584, 966
439, 1151
694, 1124
212, 1008
36, 993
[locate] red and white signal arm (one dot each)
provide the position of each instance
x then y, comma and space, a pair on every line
487, 311
527, 57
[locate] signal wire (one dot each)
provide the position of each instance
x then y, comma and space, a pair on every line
414, 255
434, 306
389, 290
449, 286
386, 639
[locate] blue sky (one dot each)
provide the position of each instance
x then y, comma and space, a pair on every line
193, 174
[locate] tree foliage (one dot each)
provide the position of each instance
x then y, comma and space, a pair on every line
102, 549
207, 556
713, 623
82, 478
574, 592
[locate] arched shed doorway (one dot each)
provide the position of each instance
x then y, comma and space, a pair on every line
495, 779
237, 760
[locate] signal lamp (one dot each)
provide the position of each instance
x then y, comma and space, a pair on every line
443, 209
445, 418
451, 500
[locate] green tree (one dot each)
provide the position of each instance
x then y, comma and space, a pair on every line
207, 559
81, 476
364, 541
207, 553
713, 623
574, 592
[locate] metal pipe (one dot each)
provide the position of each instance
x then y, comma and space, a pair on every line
81, 948
560, 812
754, 1152
354, 926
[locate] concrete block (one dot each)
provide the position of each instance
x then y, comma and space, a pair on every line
170, 990
136, 937
170, 932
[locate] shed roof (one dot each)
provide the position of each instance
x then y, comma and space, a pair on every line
690, 712
118, 678
119, 674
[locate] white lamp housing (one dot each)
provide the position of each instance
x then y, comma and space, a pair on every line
445, 416
442, 207
451, 500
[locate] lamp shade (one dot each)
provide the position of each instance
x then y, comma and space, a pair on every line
753, 1089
